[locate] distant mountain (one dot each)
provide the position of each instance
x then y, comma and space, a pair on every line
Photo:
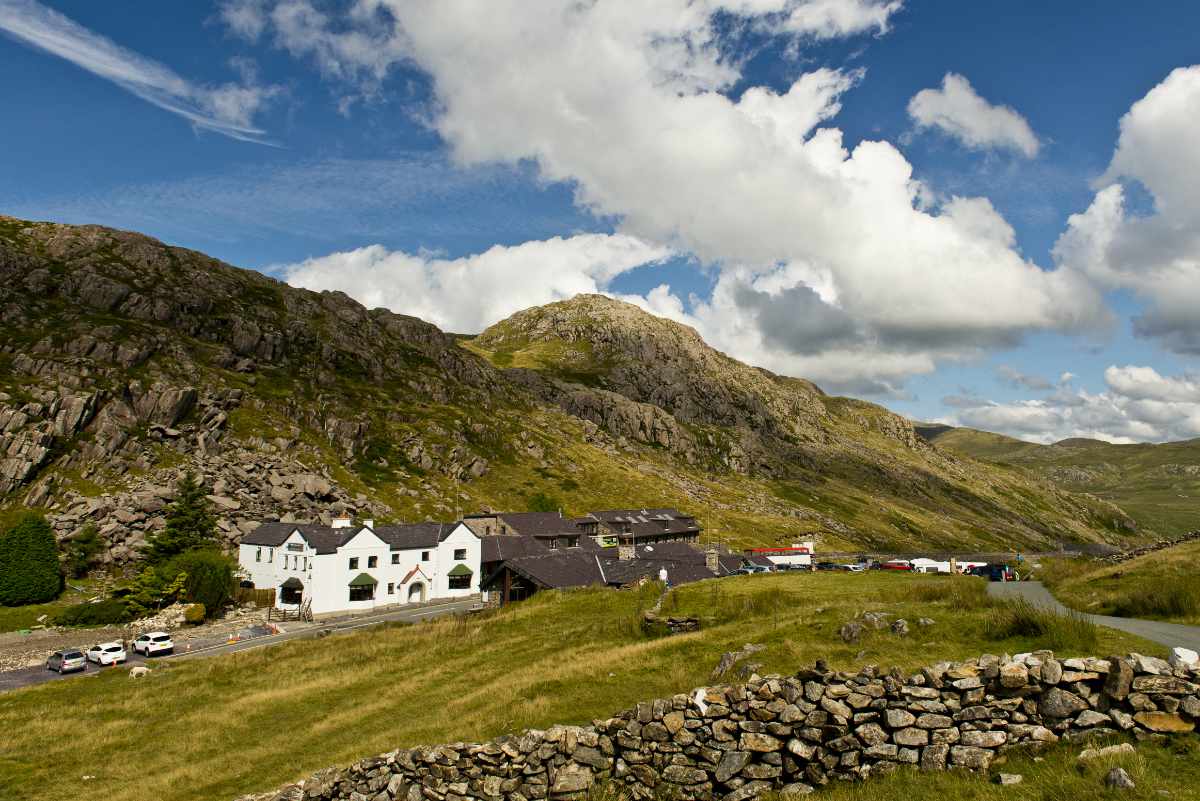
124, 361
1158, 485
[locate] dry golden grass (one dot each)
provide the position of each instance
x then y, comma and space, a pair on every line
216, 728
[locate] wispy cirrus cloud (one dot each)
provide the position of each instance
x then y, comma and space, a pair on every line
227, 109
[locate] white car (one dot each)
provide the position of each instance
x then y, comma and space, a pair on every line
153, 643
107, 653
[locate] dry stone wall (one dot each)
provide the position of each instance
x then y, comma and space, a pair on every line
792, 733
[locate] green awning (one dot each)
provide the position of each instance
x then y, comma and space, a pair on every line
460, 570
292, 584
363, 580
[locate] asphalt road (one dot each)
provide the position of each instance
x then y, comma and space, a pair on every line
1168, 634
27, 677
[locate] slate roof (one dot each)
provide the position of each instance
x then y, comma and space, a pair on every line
508, 546
326, 539
539, 524
581, 567
648, 522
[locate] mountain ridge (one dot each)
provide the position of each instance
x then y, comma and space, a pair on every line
124, 361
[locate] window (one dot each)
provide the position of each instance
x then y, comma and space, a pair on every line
395, 559
460, 554
353, 565
424, 556
391, 588
372, 561
295, 546
459, 582
553, 545
270, 555
572, 542
363, 593
258, 555
306, 563
503, 529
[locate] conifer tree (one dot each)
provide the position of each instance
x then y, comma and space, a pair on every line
190, 523
29, 570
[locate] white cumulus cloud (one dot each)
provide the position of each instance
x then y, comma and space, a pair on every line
832, 261
1138, 405
468, 294
228, 109
1154, 253
957, 110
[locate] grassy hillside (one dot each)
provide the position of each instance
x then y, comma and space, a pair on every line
1158, 485
214, 728
1162, 585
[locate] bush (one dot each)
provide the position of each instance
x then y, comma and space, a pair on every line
210, 578
104, 613
194, 614
541, 502
29, 570
1071, 632
82, 551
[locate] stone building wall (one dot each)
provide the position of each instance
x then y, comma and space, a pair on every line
792, 733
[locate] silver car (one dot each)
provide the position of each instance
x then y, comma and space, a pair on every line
67, 661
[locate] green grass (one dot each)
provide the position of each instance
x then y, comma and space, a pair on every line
1058, 632
216, 728
1159, 772
1162, 585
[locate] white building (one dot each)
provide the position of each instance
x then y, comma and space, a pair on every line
355, 568
800, 554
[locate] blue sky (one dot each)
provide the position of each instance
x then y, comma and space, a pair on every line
401, 151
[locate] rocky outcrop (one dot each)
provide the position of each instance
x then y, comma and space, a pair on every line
791, 733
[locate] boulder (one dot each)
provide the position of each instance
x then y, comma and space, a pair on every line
1164, 722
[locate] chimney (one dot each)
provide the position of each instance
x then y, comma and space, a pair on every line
369, 524
712, 561
342, 522
625, 552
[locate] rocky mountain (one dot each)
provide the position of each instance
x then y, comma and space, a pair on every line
1157, 484
124, 361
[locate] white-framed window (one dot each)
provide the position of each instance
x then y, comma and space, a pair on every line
424, 556
391, 588
270, 555
460, 554
353, 565
362, 593
258, 555
395, 559
372, 561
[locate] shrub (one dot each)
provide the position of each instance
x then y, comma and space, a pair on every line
82, 550
104, 613
541, 502
194, 614
29, 570
1070, 632
209, 578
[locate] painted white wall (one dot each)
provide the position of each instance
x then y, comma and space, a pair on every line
327, 577
461, 539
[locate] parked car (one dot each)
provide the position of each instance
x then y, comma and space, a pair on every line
896, 564
856, 568
993, 572
825, 566
67, 661
749, 570
153, 643
107, 653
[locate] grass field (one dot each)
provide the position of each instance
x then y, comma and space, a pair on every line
216, 728
1163, 585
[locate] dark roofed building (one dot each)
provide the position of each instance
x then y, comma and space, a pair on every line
636, 526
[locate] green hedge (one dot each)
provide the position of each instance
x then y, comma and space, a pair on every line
29, 571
